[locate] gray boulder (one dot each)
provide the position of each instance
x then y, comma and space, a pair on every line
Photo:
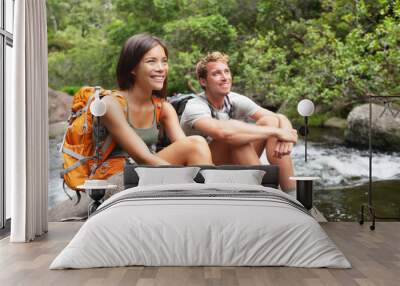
59, 106
385, 128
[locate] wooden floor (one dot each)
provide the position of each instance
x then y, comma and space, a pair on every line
374, 255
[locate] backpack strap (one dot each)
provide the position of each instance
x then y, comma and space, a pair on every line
109, 143
229, 105
78, 194
157, 101
121, 100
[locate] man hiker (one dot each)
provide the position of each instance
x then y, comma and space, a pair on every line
221, 116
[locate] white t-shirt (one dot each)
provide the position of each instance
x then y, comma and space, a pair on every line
198, 107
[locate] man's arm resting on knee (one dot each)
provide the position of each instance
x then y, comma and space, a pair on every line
236, 132
282, 148
283, 120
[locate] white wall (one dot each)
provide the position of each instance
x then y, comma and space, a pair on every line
8, 86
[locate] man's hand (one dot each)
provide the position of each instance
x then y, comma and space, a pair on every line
287, 135
286, 138
283, 149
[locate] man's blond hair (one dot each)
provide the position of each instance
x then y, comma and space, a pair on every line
201, 67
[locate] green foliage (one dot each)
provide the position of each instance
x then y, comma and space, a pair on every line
334, 52
87, 63
71, 90
274, 14
208, 33
263, 69
181, 75
190, 39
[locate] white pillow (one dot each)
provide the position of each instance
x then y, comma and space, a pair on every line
249, 177
165, 176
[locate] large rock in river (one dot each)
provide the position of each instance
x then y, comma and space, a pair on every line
59, 106
385, 127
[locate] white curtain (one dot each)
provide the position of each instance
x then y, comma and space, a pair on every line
27, 124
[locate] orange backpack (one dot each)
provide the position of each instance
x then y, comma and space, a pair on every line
86, 156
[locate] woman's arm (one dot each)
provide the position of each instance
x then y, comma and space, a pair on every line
169, 120
116, 124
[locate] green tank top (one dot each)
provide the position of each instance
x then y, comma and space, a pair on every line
148, 135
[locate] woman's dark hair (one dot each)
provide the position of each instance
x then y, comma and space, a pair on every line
132, 52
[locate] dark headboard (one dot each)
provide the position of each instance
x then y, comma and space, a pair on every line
270, 179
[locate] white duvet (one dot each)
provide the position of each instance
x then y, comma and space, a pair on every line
200, 224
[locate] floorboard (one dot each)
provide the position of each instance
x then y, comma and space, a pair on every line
374, 255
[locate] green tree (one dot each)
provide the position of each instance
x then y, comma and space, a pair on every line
335, 52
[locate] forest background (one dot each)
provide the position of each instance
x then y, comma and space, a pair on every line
334, 52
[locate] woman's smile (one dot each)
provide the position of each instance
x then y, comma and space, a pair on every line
158, 78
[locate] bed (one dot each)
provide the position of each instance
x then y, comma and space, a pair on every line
204, 222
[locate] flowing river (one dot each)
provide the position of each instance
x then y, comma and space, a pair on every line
343, 172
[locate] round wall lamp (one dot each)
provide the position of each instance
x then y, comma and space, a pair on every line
305, 108
97, 107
